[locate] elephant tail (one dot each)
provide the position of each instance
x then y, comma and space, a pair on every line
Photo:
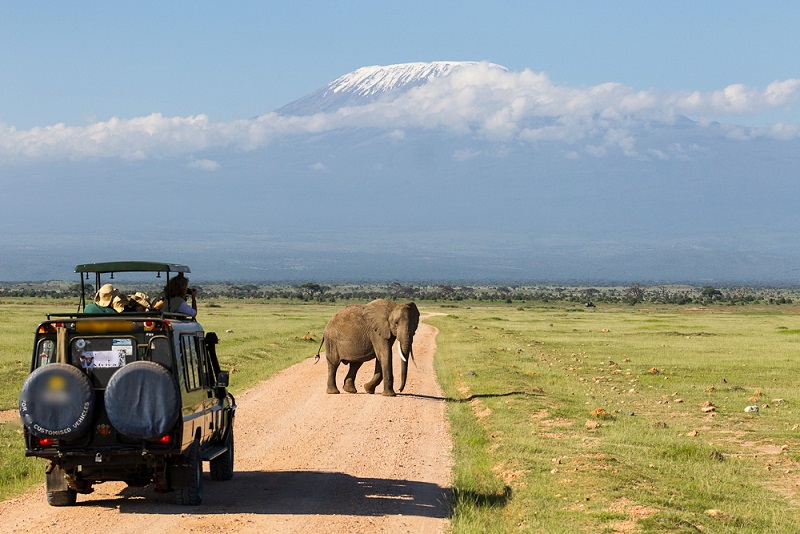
316, 358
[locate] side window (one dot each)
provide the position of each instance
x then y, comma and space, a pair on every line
190, 362
211, 376
202, 366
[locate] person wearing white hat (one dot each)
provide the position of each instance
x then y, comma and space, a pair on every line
138, 302
107, 300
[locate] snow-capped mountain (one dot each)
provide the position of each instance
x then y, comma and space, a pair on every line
367, 84
434, 171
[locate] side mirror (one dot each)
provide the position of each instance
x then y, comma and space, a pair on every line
223, 377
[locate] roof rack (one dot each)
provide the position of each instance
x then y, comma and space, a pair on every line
120, 316
131, 266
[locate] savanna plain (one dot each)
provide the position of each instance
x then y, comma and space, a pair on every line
564, 418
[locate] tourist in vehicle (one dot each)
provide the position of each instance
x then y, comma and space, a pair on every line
138, 302
174, 300
107, 300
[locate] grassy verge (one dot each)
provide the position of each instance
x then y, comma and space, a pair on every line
574, 420
18, 319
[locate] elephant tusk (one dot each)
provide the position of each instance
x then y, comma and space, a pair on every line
403, 357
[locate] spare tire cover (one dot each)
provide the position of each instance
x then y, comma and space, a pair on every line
142, 400
57, 401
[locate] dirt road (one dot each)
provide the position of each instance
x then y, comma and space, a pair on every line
305, 462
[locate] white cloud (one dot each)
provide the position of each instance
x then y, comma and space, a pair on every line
204, 164
784, 132
484, 100
466, 154
318, 166
738, 99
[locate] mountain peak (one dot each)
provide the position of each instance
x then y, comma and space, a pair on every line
376, 79
365, 84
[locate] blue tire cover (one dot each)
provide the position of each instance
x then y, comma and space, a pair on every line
142, 400
57, 401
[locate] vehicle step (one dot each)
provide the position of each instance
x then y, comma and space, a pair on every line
213, 452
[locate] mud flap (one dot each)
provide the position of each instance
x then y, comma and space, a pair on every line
55, 479
180, 475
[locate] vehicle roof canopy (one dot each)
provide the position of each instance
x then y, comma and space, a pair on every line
124, 267
131, 266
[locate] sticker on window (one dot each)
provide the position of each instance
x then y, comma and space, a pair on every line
97, 353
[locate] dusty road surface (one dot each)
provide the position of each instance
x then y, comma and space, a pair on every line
305, 462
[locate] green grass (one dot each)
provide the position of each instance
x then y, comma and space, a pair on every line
524, 385
257, 339
536, 458
18, 319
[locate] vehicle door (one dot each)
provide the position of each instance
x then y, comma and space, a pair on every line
196, 406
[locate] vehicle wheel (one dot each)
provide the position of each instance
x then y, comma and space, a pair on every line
142, 400
192, 493
57, 401
222, 466
66, 497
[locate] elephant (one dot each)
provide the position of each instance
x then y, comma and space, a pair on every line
359, 333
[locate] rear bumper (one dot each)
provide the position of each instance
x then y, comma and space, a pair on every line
115, 456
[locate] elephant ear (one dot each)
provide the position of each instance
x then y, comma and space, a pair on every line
377, 315
413, 311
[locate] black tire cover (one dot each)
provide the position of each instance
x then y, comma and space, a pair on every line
142, 400
57, 401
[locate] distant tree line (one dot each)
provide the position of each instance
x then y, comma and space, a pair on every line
316, 292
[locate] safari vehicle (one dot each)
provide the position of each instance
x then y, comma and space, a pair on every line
133, 396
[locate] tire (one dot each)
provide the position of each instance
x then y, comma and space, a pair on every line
57, 400
192, 493
222, 466
142, 400
66, 497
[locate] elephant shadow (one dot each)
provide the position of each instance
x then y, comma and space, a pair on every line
298, 493
469, 398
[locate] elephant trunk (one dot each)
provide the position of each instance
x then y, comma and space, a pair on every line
405, 355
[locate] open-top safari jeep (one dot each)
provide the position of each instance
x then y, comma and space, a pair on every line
133, 396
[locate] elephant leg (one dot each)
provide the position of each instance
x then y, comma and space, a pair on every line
350, 379
386, 367
332, 368
369, 387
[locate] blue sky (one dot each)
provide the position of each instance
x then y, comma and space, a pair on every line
83, 62
114, 97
